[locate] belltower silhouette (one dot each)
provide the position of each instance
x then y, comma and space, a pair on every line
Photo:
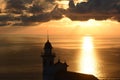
48, 60
49, 67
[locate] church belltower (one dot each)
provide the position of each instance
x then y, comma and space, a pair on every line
48, 60
48, 56
49, 67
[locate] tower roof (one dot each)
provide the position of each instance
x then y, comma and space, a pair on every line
48, 45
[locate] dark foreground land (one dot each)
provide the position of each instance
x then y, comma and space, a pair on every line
38, 76
20, 76
74, 76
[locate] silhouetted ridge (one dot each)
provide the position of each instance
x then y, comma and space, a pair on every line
73, 76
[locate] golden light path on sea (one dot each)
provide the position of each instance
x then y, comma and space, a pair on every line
87, 58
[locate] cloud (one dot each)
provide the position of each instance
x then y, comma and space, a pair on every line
99, 6
32, 12
95, 9
22, 12
2, 5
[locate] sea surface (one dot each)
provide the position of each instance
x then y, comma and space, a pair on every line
20, 55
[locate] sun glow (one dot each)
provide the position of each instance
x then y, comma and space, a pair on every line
88, 59
83, 0
89, 23
62, 4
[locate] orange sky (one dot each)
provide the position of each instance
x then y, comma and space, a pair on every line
67, 27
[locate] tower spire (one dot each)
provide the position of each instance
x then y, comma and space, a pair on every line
47, 36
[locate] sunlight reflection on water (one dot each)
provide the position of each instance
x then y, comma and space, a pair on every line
87, 58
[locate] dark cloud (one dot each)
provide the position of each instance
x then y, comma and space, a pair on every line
22, 12
15, 6
96, 9
36, 18
30, 12
4, 19
99, 6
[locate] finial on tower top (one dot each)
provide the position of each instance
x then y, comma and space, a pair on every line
47, 44
47, 36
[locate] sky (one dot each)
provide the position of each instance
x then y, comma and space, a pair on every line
92, 17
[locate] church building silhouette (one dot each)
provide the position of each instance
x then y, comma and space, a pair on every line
49, 67
58, 71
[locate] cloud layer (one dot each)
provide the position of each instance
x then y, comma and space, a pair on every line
28, 12
102, 6
22, 12
96, 9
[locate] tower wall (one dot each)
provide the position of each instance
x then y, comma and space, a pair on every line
48, 62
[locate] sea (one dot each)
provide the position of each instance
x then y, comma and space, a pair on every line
20, 55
